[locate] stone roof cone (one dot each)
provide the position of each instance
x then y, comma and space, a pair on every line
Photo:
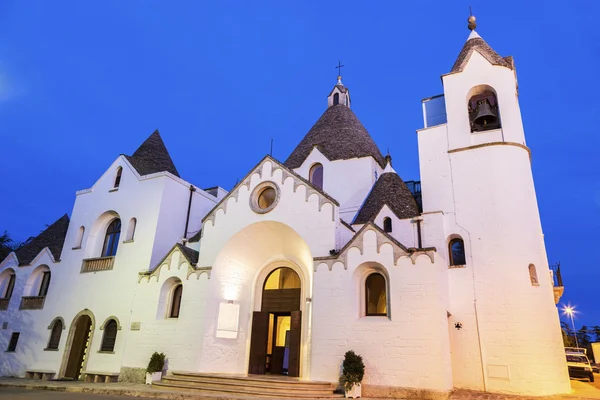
152, 156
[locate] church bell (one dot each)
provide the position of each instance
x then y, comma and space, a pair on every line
484, 114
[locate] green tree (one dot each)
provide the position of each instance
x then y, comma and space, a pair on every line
584, 337
596, 331
7, 245
567, 334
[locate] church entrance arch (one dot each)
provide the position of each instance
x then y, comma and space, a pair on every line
276, 329
78, 345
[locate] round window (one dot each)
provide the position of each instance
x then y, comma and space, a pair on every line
265, 197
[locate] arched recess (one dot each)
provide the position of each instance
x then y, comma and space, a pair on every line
118, 177
78, 345
361, 276
56, 327
315, 175
38, 282
483, 108
533, 278
457, 254
238, 276
8, 279
79, 240
97, 233
107, 320
131, 229
336, 99
165, 301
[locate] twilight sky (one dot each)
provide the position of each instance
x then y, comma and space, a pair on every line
82, 82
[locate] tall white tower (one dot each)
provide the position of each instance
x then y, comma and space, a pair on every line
476, 170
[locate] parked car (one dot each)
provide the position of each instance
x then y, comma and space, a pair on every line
596, 368
579, 366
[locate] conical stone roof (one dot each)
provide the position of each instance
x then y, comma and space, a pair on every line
390, 190
152, 156
53, 237
476, 43
339, 135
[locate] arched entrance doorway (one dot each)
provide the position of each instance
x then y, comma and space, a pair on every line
276, 328
78, 343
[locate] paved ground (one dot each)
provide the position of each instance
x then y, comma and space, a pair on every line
27, 394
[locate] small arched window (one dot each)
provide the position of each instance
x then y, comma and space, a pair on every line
387, 224
118, 177
376, 295
533, 275
131, 229
44, 284
111, 239
315, 175
176, 301
483, 109
456, 252
79, 240
55, 334
110, 336
336, 99
8, 284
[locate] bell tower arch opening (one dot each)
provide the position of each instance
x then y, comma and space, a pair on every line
482, 105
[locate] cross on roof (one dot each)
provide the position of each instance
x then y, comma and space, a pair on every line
339, 68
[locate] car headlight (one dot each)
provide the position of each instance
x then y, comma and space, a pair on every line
588, 368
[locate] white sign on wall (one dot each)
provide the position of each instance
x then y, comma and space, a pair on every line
227, 323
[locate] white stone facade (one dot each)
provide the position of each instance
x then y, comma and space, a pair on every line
484, 324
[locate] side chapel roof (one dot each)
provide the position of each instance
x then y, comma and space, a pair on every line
392, 191
152, 156
53, 237
339, 135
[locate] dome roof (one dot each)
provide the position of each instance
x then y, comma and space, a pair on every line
339, 135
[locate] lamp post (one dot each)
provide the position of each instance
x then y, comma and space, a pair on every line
570, 311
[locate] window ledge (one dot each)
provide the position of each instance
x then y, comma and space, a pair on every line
105, 352
47, 349
76, 248
113, 190
457, 266
535, 284
128, 241
10, 351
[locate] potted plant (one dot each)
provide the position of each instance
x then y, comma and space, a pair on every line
353, 371
155, 367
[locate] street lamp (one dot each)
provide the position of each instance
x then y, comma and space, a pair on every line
569, 310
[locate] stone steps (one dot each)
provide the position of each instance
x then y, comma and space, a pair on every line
250, 385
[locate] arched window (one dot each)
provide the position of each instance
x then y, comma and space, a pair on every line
55, 335
176, 301
483, 109
110, 336
118, 177
44, 284
111, 239
456, 252
131, 229
376, 295
533, 275
79, 240
8, 284
336, 99
315, 175
387, 224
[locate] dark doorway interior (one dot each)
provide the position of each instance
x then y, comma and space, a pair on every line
275, 340
79, 347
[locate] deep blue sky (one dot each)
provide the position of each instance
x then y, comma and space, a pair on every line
82, 82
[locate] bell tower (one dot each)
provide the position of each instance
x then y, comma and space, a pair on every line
476, 170
340, 94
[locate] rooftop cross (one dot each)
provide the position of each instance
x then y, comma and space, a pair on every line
339, 68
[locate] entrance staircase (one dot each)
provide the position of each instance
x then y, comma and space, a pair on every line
247, 385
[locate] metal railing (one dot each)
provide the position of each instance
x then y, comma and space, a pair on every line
97, 264
32, 302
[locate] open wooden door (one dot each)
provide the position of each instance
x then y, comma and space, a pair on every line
258, 342
295, 330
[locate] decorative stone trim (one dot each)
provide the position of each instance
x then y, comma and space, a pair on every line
55, 320
382, 238
477, 146
198, 271
106, 321
286, 173
167, 262
456, 266
128, 241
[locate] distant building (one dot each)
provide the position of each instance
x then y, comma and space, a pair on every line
444, 285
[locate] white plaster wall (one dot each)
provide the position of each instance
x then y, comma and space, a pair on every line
408, 349
403, 230
184, 341
242, 246
347, 181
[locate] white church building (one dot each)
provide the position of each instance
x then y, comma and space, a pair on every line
438, 285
